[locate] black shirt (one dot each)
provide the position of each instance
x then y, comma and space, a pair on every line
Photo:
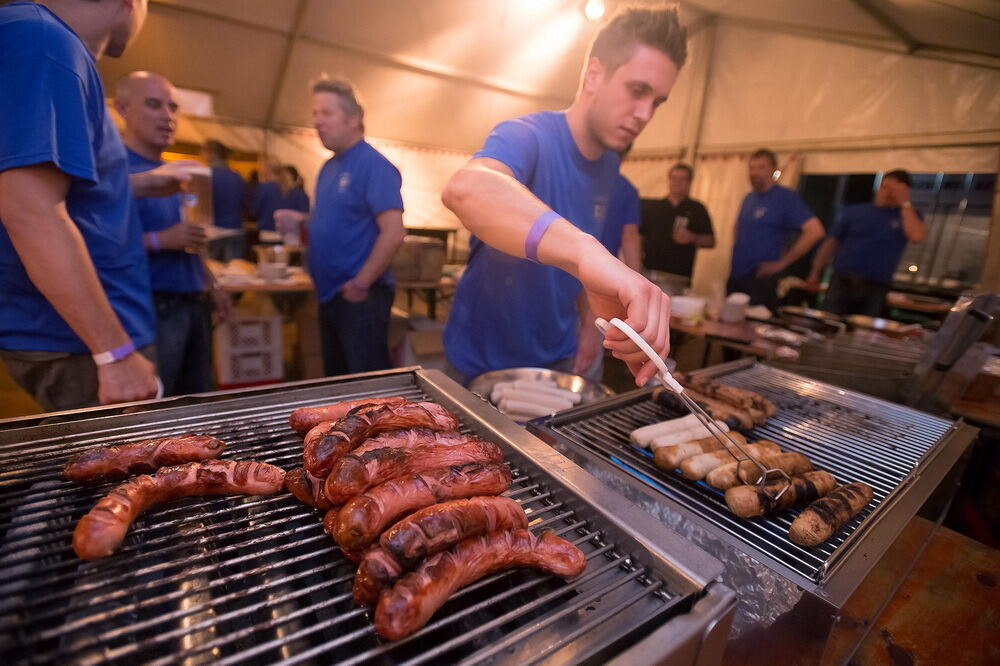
659, 251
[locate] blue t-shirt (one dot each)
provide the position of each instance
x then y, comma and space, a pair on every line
871, 241
622, 211
295, 199
267, 199
169, 270
52, 110
353, 188
511, 312
227, 198
764, 224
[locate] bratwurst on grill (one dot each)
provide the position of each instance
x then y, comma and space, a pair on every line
114, 463
305, 419
102, 530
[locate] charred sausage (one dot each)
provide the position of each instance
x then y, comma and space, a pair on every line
325, 443
821, 519
416, 596
102, 530
307, 488
363, 518
352, 475
748, 501
114, 463
430, 531
737, 397
306, 418
407, 439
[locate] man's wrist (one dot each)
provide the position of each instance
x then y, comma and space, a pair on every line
906, 204
355, 283
114, 355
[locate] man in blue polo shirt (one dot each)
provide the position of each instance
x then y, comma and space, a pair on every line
517, 302
866, 245
148, 104
228, 193
769, 217
74, 285
354, 231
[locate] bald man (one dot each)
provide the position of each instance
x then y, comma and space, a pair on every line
74, 287
147, 103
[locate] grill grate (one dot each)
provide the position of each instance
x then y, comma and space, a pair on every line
234, 580
854, 437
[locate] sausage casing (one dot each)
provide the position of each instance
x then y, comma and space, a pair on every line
364, 517
737, 473
670, 457
114, 463
102, 530
430, 531
307, 488
419, 594
698, 467
749, 501
821, 519
353, 475
306, 418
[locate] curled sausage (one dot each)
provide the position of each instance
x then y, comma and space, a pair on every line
102, 530
363, 518
113, 463
419, 594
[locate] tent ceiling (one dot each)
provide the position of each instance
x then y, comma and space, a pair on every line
442, 72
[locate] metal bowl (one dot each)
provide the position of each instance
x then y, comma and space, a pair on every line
590, 391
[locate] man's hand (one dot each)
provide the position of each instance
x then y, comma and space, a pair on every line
900, 191
354, 293
615, 290
683, 236
162, 181
769, 268
183, 236
812, 283
223, 303
132, 378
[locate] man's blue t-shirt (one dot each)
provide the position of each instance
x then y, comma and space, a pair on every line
169, 270
871, 242
764, 224
52, 110
622, 211
295, 199
267, 199
353, 188
511, 312
227, 198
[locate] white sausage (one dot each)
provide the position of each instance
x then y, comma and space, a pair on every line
695, 432
556, 401
523, 408
644, 435
521, 384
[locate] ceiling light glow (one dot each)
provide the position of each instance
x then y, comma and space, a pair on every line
594, 9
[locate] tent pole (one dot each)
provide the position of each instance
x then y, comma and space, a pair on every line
286, 61
990, 281
695, 116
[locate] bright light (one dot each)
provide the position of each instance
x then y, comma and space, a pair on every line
912, 268
776, 175
594, 9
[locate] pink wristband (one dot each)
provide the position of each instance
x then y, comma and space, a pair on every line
536, 232
154, 241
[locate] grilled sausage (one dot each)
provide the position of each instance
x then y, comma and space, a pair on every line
102, 530
325, 443
821, 519
407, 439
307, 488
353, 475
722, 411
748, 501
737, 397
363, 518
736, 473
698, 467
113, 463
305, 419
416, 596
428, 531
670, 457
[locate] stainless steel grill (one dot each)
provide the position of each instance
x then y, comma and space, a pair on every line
791, 598
255, 580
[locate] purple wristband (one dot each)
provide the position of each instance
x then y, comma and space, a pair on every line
113, 355
536, 232
154, 241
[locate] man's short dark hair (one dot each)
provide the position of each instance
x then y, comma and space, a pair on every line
217, 148
344, 91
660, 29
902, 175
686, 168
766, 154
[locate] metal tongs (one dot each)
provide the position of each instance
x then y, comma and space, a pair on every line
728, 443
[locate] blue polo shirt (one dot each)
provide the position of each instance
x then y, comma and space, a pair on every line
52, 110
871, 241
352, 189
267, 199
227, 198
296, 199
764, 225
511, 312
169, 270
622, 211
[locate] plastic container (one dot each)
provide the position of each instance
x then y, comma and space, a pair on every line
734, 308
691, 308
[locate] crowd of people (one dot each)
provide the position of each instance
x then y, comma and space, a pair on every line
105, 293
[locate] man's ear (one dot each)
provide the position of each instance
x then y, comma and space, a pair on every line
593, 74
